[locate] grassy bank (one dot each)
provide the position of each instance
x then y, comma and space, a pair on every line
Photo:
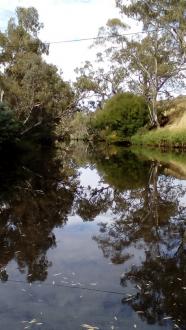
173, 134
162, 137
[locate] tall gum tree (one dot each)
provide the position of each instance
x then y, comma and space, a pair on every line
155, 60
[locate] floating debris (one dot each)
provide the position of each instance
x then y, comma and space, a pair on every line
93, 284
90, 327
127, 299
167, 318
57, 274
115, 318
32, 321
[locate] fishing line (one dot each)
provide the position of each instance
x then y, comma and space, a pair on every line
70, 287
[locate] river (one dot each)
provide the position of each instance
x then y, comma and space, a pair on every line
93, 238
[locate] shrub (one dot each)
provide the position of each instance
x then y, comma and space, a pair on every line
123, 114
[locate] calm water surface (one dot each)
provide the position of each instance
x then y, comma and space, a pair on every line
93, 236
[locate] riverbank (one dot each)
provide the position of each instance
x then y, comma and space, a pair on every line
162, 137
173, 134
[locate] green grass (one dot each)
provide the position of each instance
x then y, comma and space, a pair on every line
162, 137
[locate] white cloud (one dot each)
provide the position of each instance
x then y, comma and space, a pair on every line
68, 19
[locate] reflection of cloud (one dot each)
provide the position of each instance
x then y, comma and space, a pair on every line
89, 177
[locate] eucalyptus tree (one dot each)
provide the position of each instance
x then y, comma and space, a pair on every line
165, 25
19, 46
155, 68
154, 59
34, 89
169, 16
97, 83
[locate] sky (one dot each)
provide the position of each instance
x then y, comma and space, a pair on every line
64, 20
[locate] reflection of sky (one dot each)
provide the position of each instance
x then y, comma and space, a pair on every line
181, 183
89, 177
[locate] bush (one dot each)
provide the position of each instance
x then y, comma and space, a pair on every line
123, 114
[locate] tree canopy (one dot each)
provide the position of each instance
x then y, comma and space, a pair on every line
32, 88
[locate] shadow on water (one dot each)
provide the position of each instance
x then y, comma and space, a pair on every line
138, 206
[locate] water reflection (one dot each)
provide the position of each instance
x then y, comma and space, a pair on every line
36, 200
137, 204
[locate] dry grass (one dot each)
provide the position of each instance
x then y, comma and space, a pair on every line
176, 111
174, 133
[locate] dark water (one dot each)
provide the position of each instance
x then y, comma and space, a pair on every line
93, 237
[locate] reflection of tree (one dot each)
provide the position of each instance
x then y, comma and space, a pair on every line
150, 218
161, 288
40, 198
92, 202
140, 213
119, 171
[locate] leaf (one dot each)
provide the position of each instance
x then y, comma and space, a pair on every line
90, 327
33, 321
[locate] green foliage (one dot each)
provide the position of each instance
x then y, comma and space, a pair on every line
34, 89
31, 81
9, 126
79, 127
28, 18
121, 116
